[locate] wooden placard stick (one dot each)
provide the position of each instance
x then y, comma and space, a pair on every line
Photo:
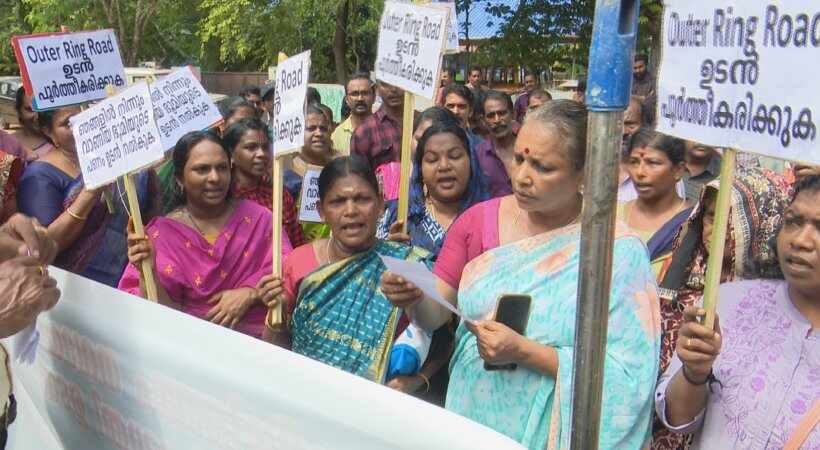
714, 265
406, 158
147, 265
276, 318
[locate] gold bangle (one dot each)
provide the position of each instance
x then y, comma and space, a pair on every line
426, 381
75, 215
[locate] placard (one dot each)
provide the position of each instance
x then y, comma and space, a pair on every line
181, 105
333, 96
63, 69
292, 76
117, 136
309, 199
742, 75
411, 40
451, 44
135, 375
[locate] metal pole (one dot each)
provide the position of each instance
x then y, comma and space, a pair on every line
608, 90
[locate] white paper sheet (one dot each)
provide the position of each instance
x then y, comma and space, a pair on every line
418, 274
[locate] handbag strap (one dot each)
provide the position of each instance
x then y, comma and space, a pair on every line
804, 428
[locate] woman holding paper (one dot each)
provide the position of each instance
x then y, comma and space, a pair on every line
445, 182
752, 382
337, 313
528, 243
656, 164
91, 238
210, 252
247, 141
317, 151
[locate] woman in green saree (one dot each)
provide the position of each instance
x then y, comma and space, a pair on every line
337, 313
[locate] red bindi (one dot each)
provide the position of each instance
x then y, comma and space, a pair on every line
526, 151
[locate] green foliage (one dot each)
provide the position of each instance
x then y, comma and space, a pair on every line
249, 34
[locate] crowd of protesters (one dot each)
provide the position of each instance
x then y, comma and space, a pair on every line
495, 199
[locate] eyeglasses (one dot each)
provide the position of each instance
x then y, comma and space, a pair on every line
362, 94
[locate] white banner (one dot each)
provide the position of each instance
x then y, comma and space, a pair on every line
135, 375
411, 40
117, 136
68, 68
288, 126
181, 105
309, 198
742, 75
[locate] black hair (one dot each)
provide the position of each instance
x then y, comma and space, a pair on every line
541, 93
317, 108
180, 154
460, 90
440, 127
19, 99
450, 71
498, 96
810, 183
475, 68
327, 111
530, 74
345, 166
569, 118
45, 119
250, 90
435, 114
360, 76
234, 133
641, 57
235, 104
313, 95
674, 148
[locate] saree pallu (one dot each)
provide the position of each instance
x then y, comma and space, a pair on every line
342, 318
100, 252
193, 270
11, 168
533, 408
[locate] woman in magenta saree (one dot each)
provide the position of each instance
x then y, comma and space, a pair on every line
207, 261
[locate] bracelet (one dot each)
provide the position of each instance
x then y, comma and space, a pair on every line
426, 381
75, 215
689, 379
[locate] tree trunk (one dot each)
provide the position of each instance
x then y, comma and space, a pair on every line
340, 41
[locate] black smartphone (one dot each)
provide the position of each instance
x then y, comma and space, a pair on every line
513, 310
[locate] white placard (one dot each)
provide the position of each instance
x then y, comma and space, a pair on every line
411, 40
181, 105
309, 199
68, 68
117, 136
288, 126
150, 377
742, 75
451, 44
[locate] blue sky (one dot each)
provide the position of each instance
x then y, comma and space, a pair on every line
482, 23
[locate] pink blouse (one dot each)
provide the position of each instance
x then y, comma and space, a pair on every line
473, 233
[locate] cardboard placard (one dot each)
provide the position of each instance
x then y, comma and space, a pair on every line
292, 76
62, 69
309, 200
411, 40
117, 136
739, 75
181, 105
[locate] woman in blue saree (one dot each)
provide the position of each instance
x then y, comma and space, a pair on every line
528, 243
337, 313
91, 235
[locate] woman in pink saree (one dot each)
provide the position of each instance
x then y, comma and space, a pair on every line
210, 252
